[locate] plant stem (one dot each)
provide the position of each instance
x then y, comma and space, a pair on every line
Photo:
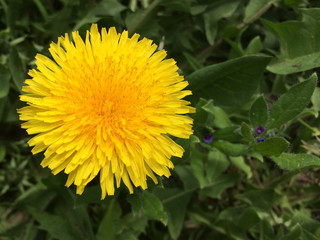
313, 129
140, 19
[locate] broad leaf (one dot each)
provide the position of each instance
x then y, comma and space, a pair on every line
292, 103
153, 208
293, 162
272, 146
231, 84
299, 40
259, 113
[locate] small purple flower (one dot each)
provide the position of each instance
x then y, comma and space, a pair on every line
208, 138
259, 140
260, 129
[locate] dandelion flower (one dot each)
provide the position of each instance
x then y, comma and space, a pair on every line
106, 105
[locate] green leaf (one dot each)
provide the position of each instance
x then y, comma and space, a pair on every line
259, 113
153, 208
293, 162
16, 69
231, 84
306, 221
246, 132
228, 134
294, 233
273, 146
220, 118
216, 165
198, 159
4, 81
106, 230
315, 99
262, 199
254, 47
135, 202
57, 226
193, 62
223, 9
299, 40
175, 202
219, 185
90, 195
2, 152
240, 163
292, 103
187, 177
253, 7
231, 149
99, 10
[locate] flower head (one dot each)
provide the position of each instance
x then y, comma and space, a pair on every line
106, 104
259, 140
260, 129
208, 138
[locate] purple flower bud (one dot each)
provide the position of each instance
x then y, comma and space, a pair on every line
259, 140
260, 129
208, 138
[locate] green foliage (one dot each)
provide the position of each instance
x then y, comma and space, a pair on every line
248, 63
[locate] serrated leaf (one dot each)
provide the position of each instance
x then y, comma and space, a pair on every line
292, 103
273, 146
231, 84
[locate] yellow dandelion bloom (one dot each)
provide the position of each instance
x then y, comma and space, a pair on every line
106, 104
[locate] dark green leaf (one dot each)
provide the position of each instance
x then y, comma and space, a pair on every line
153, 208
273, 146
106, 230
219, 185
186, 176
58, 227
231, 84
254, 47
262, 199
246, 132
299, 40
4, 81
294, 233
216, 165
292, 103
254, 6
259, 113
16, 69
223, 9
175, 202
231, 149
